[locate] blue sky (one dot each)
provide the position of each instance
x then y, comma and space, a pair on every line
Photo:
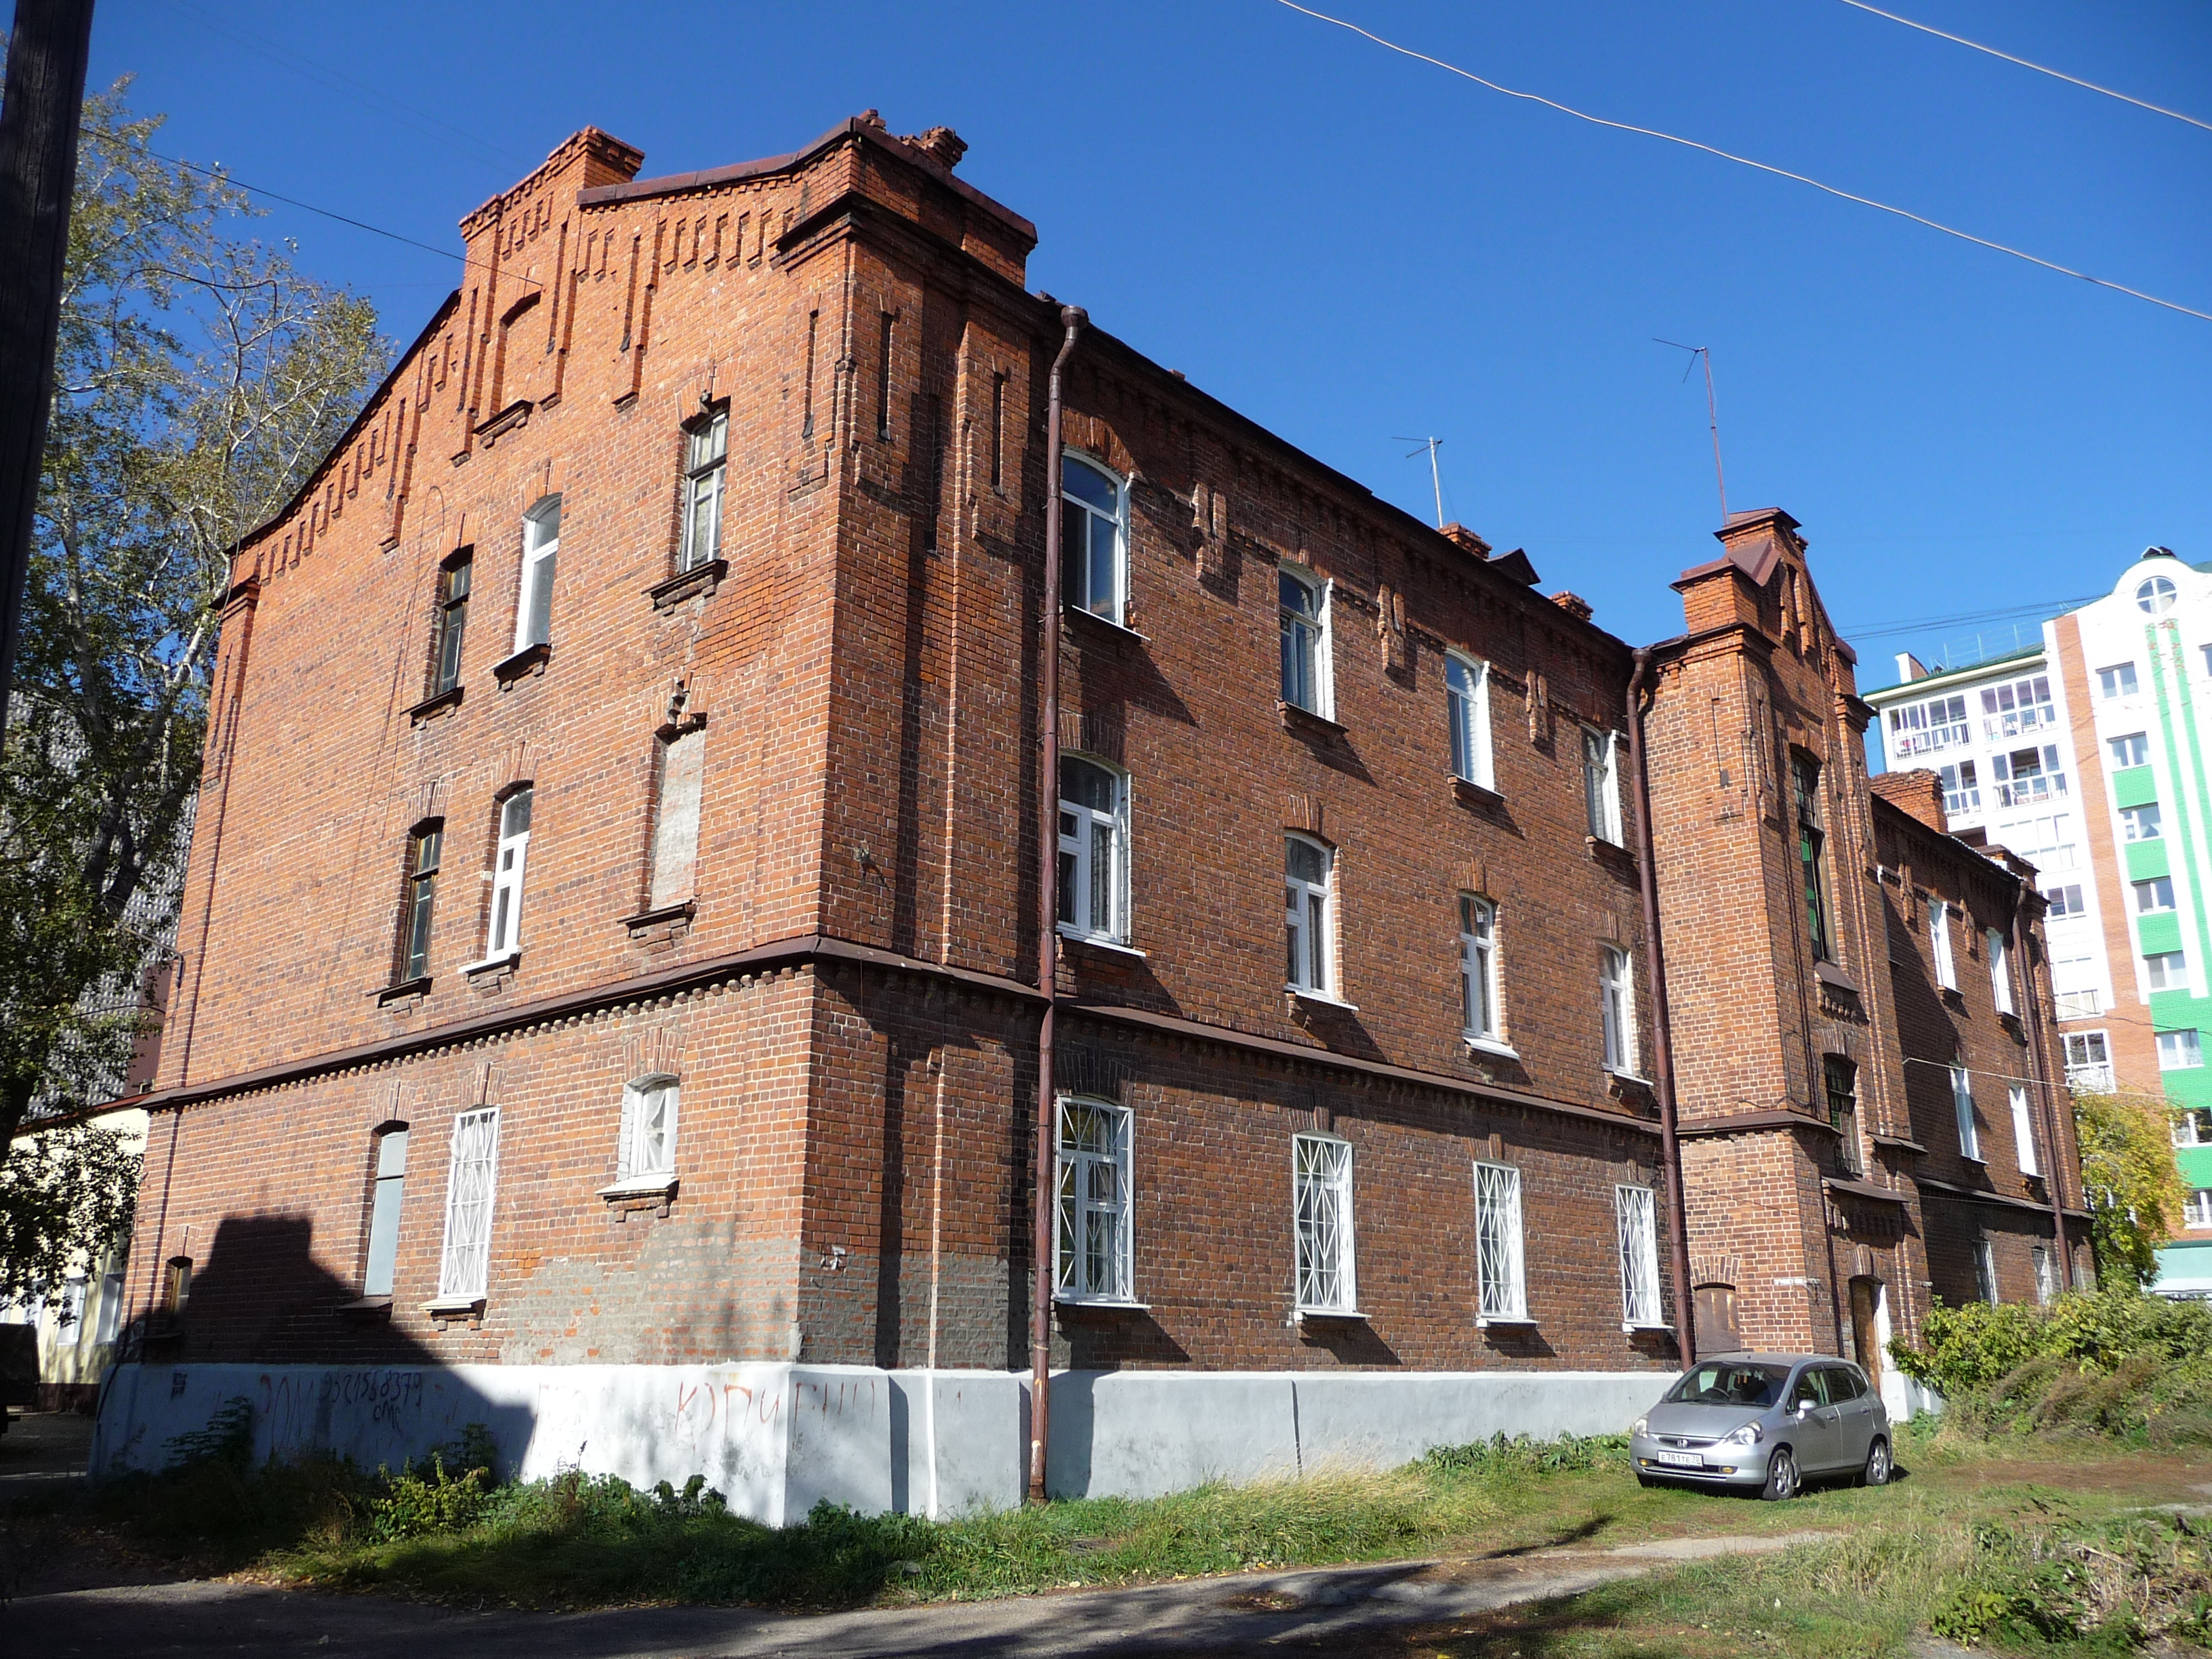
1347, 245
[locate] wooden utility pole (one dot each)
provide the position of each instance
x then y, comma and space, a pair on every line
48, 54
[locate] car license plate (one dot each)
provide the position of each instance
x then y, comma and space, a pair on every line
1680, 1460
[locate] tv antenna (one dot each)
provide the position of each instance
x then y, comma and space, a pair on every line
1705, 354
1436, 479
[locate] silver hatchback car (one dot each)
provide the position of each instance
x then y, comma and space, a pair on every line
1768, 1420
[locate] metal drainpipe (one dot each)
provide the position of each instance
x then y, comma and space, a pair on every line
1662, 1037
1072, 319
2045, 1090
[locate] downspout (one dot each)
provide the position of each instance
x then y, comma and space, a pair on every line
1072, 319
1663, 1034
2045, 1092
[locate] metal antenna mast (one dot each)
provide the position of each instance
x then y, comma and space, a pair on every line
1704, 354
1436, 479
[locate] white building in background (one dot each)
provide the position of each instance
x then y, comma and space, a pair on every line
1999, 735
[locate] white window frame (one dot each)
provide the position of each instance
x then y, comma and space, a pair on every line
1480, 1021
510, 860
388, 1207
2167, 970
2179, 1055
1467, 708
1616, 977
1636, 1221
1117, 606
2142, 822
2162, 903
704, 486
1939, 936
641, 1155
2156, 595
1962, 1110
2191, 1126
1501, 1267
2023, 1131
1322, 1223
107, 1324
1985, 1271
2197, 1208
2046, 1274
1315, 656
2085, 1074
1311, 944
471, 1189
1077, 1205
1077, 851
2117, 681
2000, 971
540, 559
1602, 783
2124, 748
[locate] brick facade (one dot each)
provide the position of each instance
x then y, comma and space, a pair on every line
845, 997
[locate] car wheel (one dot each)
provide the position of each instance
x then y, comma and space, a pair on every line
1876, 1473
1782, 1481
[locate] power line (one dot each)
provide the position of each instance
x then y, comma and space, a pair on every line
1745, 161
1910, 625
222, 176
2057, 75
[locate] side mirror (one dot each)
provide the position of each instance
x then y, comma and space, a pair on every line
1804, 1408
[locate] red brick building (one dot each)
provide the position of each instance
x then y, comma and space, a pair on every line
609, 950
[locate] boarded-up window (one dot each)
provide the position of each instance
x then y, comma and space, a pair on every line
676, 819
1718, 1330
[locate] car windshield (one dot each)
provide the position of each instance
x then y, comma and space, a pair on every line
1729, 1382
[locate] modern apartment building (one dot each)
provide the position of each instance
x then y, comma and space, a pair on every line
892, 850
2085, 755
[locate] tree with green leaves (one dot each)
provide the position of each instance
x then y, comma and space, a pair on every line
2133, 1186
199, 378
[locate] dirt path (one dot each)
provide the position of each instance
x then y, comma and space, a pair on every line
1212, 1615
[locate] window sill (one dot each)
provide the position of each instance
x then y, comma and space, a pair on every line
513, 418
651, 1186
1637, 1327
366, 1308
1489, 1046
438, 703
490, 967
1097, 1304
1511, 1321
1603, 850
1620, 1075
407, 990
1297, 718
664, 924
1467, 793
530, 659
1322, 998
1898, 1143
1093, 942
1829, 974
1075, 611
455, 1307
700, 581
1328, 1317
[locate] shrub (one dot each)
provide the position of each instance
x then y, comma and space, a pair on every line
1523, 1455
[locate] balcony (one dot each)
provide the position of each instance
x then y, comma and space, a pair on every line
2079, 1004
2026, 792
1956, 801
2089, 1079
2012, 723
1926, 741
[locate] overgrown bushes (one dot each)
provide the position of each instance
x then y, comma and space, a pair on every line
2115, 1362
2131, 1582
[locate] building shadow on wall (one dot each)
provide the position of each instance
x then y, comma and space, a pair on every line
261, 1301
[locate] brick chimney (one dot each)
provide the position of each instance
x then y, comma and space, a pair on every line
1918, 792
1460, 536
1573, 603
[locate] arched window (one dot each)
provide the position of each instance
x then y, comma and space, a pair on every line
1094, 850
541, 547
1616, 1007
1094, 538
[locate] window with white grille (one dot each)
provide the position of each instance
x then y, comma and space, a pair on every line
1092, 1217
1962, 1108
1617, 1009
1321, 1190
1602, 783
1307, 866
648, 1129
1635, 1217
1466, 703
2023, 1131
1939, 936
470, 1181
1500, 1270
541, 549
508, 861
1478, 969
